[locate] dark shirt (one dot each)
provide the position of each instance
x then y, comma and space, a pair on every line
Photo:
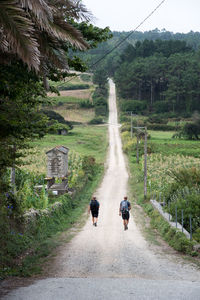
94, 205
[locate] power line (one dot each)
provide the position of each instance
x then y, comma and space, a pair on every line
124, 39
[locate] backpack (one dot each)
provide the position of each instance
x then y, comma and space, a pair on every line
94, 205
124, 206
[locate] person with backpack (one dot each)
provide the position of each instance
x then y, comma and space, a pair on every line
124, 208
94, 208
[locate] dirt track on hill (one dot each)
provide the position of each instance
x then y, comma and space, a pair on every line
86, 266
108, 251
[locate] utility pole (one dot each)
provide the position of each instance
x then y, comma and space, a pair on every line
145, 163
131, 125
137, 145
145, 158
12, 173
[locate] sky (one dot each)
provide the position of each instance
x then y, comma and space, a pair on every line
174, 15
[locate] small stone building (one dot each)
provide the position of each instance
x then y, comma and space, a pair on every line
57, 162
57, 167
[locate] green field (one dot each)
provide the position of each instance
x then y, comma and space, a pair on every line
64, 99
84, 140
163, 143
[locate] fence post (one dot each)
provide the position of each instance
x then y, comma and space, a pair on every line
182, 219
176, 215
164, 201
131, 125
137, 148
190, 228
150, 189
159, 197
145, 163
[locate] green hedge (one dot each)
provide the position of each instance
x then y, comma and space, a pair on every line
68, 87
135, 106
161, 127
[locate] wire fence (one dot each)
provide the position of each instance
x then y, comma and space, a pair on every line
178, 216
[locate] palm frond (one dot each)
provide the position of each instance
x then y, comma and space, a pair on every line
73, 8
40, 12
18, 30
64, 31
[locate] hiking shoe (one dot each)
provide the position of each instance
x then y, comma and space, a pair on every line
95, 224
125, 227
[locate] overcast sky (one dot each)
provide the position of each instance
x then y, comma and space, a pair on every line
126, 15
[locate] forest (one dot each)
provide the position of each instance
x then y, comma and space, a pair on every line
155, 71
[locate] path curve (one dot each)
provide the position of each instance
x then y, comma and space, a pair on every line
106, 261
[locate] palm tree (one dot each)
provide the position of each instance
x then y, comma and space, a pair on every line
38, 31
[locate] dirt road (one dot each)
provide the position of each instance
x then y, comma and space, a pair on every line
106, 261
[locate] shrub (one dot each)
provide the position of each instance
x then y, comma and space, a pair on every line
96, 120
101, 110
100, 102
196, 235
162, 107
85, 77
100, 92
123, 118
86, 104
161, 127
133, 105
157, 120
81, 86
52, 115
126, 127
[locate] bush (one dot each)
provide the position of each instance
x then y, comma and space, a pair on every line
126, 127
133, 105
96, 120
52, 115
100, 92
86, 104
86, 77
176, 239
184, 194
68, 87
101, 110
161, 127
123, 118
101, 102
157, 120
162, 107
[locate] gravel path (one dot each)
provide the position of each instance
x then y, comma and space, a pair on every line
106, 261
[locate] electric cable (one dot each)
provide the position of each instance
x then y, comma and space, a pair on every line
125, 38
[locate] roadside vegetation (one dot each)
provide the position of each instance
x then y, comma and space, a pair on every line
173, 177
27, 241
32, 112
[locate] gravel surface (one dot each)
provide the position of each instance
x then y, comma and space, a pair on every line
106, 261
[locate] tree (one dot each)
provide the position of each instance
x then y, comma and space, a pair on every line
38, 31
100, 77
22, 95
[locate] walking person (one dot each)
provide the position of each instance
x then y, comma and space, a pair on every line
124, 209
94, 208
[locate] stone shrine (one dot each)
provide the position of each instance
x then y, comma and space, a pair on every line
57, 167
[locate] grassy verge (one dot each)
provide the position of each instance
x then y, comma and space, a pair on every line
174, 238
25, 250
40, 238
